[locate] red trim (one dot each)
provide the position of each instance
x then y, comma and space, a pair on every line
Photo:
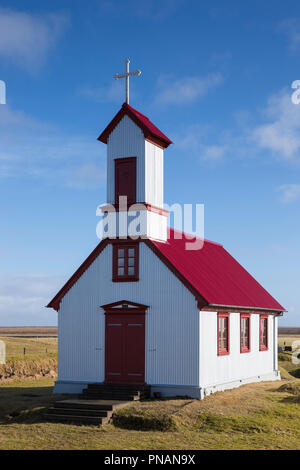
138, 206
220, 316
55, 302
126, 277
245, 349
263, 347
149, 130
125, 302
226, 308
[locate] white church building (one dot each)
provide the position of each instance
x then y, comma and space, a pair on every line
145, 310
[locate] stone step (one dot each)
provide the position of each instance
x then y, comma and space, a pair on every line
79, 412
109, 396
92, 404
119, 387
76, 419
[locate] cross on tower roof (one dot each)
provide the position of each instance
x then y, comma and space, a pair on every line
126, 75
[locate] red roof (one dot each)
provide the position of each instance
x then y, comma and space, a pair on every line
216, 275
150, 131
211, 273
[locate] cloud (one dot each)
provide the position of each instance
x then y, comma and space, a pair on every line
37, 150
114, 92
185, 90
23, 298
281, 132
291, 28
289, 192
25, 39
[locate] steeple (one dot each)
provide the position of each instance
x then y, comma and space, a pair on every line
135, 153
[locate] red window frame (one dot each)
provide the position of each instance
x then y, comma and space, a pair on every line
245, 338
126, 258
263, 339
223, 333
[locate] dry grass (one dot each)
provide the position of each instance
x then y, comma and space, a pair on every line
28, 331
36, 348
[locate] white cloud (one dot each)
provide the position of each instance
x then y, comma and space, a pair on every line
281, 132
214, 152
115, 92
291, 28
23, 298
32, 149
289, 192
25, 39
185, 90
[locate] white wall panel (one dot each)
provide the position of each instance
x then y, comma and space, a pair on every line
235, 366
154, 163
172, 322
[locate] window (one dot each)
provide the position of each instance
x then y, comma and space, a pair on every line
125, 262
263, 332
245, 332
223, 334
125, 179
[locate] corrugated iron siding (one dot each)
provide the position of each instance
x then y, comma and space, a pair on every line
172, 322
221, 369
154, 174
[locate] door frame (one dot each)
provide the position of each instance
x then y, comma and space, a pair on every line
123, 307
119, 161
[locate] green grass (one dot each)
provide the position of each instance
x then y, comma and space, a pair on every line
36, 348
264, 415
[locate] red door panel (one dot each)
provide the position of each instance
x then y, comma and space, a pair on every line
125, 348
125, 179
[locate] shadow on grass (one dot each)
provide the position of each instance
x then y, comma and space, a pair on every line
26, 404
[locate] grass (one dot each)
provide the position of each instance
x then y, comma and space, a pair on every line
36, 348
263, 415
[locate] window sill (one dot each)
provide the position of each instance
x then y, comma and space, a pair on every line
263, 348
223, 353
126, 279
245, 350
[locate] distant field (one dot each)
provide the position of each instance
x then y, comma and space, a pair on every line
35, 347
288, 330
22, 331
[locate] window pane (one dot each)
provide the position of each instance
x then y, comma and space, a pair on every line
131, 261
121, 253
120, 261
131, 252
120, 271
130, 271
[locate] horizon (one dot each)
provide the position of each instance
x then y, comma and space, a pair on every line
220, 89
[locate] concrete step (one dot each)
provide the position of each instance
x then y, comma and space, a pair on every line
109, 396
92, 404
126, 387
79, 412
76, 419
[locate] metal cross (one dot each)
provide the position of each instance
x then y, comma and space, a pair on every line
126, 75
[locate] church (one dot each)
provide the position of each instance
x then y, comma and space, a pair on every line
142, 309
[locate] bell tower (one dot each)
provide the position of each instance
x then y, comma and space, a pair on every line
135, 161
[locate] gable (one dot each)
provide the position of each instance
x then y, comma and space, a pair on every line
211, 274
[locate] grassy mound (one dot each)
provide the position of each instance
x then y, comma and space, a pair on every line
291, 387
144, 420
232, 423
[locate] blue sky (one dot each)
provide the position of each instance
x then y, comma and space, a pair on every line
216, 78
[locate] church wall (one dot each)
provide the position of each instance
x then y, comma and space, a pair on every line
235, 368
172, 323
154, 174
